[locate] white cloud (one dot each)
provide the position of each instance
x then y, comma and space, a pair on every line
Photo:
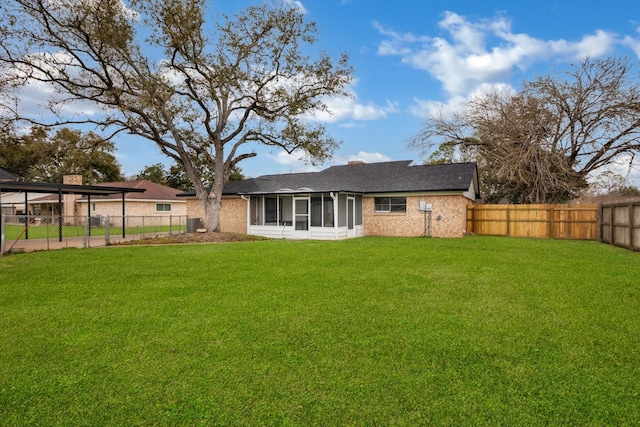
296, 4
295, 163
627, 166
633, 43
426, 108
364, 156
39, 98
591, 45
464, 59
349, 108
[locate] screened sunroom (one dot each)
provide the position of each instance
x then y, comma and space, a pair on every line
327, 216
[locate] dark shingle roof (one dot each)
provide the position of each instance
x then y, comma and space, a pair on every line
387, 177
6, 175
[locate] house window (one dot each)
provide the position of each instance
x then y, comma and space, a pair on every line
316, 211
93, 207
321, 211
328, 212
271, 210
391, 204
256, 210
163, 207
358, 210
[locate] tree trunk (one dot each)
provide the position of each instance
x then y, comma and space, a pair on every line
212, 207
212, 201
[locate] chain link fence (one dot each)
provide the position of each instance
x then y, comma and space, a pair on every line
30, 232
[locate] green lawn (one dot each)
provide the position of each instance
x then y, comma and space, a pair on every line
371, 331
51, 231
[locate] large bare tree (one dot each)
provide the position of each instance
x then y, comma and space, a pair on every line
221, 86
541, 144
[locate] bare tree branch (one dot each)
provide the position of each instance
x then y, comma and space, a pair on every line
220, 85
540, 145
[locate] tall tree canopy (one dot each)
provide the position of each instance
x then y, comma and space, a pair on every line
39, 157
220, 87
176, 178
541, 144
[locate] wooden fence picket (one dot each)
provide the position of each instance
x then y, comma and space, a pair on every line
538, 221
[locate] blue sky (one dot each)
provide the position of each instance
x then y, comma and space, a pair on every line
412, 55
409, 55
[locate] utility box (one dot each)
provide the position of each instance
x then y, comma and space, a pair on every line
95, 221
425, 207
193, 224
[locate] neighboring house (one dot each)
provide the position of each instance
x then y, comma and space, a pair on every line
14, 204
358, 199
157, 201
11, 203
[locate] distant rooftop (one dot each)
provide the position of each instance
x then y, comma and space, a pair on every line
6, 175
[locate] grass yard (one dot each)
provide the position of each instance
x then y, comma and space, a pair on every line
371, 331
51, 231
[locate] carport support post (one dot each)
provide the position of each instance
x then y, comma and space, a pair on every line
26, 215
59, 214
1, 233
123, 225
89, 212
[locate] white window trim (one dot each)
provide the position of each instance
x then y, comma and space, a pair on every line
163, 204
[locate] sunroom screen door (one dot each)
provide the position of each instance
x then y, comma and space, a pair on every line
301, 207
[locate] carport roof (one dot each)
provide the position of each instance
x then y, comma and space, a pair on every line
41, 187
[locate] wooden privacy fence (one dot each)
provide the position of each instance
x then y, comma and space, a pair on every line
542, 221
620, 224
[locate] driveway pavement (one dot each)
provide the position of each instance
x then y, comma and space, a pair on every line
67, 242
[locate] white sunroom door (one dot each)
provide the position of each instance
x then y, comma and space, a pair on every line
301, 220
351, 216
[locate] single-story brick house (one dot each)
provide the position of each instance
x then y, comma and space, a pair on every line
156, 200
358, 199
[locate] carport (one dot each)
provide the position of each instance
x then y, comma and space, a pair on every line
60, 189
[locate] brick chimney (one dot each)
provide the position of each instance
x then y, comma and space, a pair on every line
355, 162
72, 179
69, 208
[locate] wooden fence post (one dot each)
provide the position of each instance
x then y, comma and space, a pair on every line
630, 214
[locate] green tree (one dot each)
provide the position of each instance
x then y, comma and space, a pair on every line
221, 88
39, 157
608, 183
176, 177
542, 143
154, 173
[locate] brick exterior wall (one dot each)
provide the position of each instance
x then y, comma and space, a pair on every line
134, 211
134, 208
452, 210
233, 217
